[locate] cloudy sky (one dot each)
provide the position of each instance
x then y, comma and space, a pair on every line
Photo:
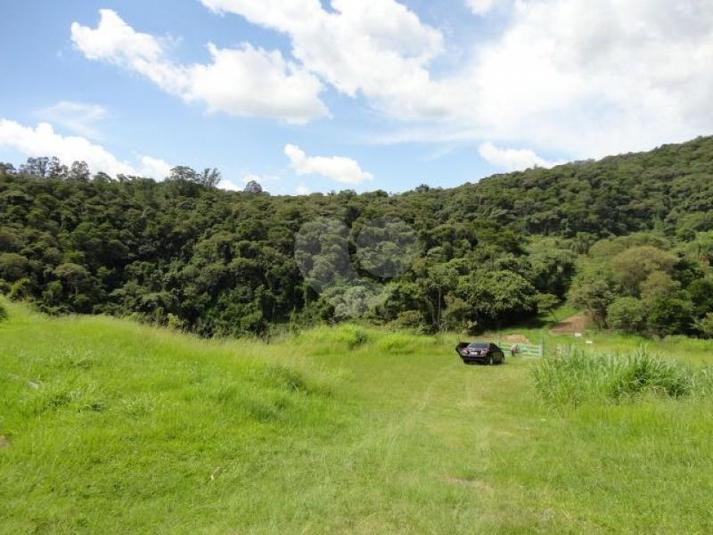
310, 95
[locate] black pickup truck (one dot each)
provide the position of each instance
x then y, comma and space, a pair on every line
482, 352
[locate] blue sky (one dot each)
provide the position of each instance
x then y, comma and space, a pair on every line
305, 97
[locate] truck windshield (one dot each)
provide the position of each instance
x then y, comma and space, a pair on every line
478, 345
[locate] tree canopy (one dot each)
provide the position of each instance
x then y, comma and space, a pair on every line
633, 232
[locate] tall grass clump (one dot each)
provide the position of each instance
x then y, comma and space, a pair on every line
399, 343
329, 339
577, 376
3, 312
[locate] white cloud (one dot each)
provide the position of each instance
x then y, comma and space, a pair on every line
44, 141
302, 189
480, 7
78, 117
154, 167
378, 48
573, 77
577, 77
338, 168
230, 185
251, 81
513, 159
589, 79
245, 81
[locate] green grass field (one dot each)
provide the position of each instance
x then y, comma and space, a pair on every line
109, 426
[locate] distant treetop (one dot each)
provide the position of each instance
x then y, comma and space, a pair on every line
253, 187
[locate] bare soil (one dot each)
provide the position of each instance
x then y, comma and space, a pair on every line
575, 324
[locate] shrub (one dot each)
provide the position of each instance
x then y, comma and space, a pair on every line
408, 319
576, 377
668, 316
705, 325
21, 289
627, 314
640, 373
3, 313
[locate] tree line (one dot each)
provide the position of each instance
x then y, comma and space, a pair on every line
628, 238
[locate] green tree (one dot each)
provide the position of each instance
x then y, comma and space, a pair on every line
633, 266
594, 289
547, 303
627, 314
13, 266
667, 316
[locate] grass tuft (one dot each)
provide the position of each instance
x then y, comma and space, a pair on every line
324, 340
398, 343
577, 376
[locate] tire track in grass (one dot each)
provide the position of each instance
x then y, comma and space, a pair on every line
394, 426
407, 424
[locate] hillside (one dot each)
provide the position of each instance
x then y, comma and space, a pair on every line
183, 253
107, 425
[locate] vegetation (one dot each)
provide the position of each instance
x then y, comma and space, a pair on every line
576, 376
109, 425
636, 230
632, 285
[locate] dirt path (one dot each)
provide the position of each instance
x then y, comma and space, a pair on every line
574, 324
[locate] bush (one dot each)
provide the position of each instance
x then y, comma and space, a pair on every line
627, 314
21, 289
669, 316
3, 313
705, 326
576, 377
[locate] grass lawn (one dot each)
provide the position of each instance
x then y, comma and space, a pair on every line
109, 426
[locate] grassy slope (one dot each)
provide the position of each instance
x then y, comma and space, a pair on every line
114, 426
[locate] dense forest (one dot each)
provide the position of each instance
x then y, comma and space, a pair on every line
629, 239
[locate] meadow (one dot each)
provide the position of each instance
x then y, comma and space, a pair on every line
111, 426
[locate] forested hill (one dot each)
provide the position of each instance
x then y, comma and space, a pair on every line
668, 188
185, 253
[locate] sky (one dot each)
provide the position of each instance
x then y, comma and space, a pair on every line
316, 96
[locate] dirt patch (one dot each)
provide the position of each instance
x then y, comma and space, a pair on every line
574, 324
516, 339
4, 442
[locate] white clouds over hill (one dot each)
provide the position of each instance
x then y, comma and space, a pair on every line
513, 159
338, 168
572, 77
43, 141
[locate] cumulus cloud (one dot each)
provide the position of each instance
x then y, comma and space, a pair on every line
78, 117
574, 77
578, 77
244, 81
513, 159
229, 185
338, 168
153, 167
44, 141
378, 48
591, 79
